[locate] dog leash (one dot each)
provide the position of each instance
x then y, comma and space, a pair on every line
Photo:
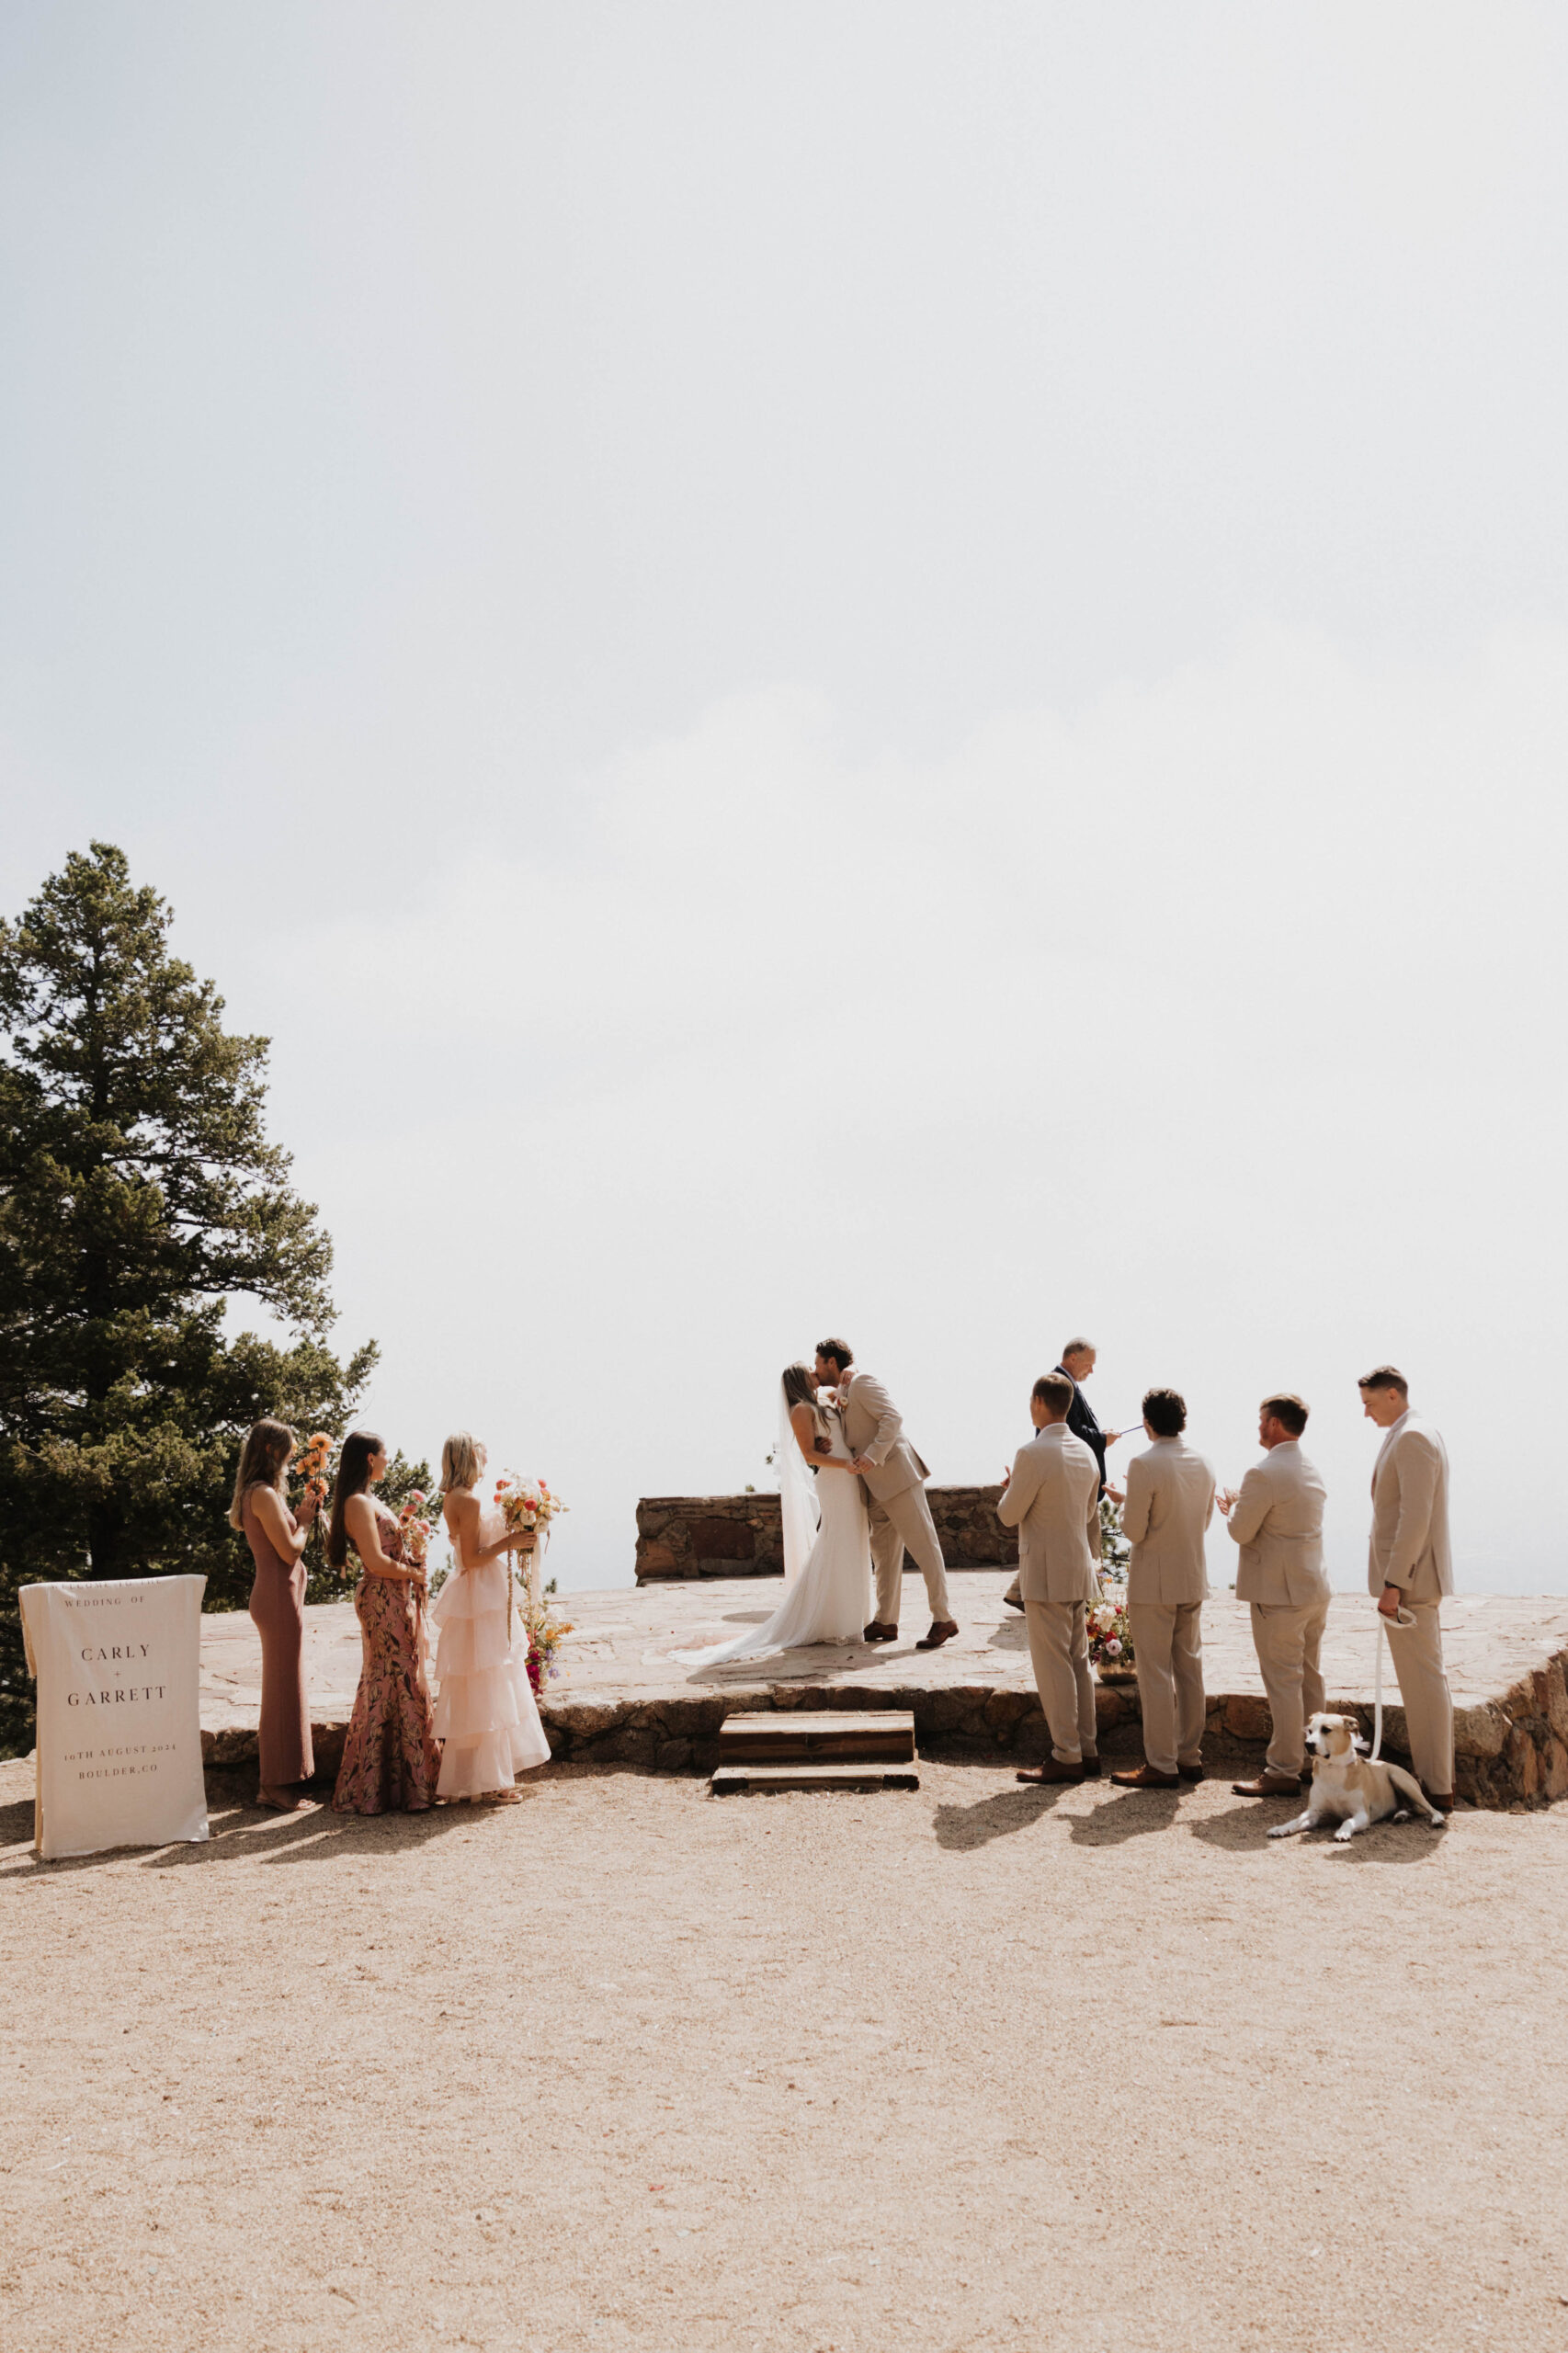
1406, 1617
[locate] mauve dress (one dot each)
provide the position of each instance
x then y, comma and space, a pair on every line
277, 1606
391, 1760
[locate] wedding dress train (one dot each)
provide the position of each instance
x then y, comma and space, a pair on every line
829, 1599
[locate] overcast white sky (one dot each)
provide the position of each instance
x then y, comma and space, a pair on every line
889, 668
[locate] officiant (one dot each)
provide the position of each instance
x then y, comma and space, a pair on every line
1077, 1361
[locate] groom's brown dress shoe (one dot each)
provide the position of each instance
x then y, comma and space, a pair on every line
1143, 1777
1051, 1772
1268, 1785
877, 1633
940, 1633
1091, 1766
1190, 1772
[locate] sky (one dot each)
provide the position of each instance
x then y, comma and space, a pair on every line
896, 670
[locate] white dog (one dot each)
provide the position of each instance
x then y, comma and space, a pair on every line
1349, 1787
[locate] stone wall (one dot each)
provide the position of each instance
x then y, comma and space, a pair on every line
1510, 1752
1506, 1754
739, 1535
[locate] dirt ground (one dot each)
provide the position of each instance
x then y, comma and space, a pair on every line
627, 2065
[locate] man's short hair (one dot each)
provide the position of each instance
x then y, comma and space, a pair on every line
1164, 1410
840, 1352
1078, 1348
1054, 1389
1386, 1376
1287, 1407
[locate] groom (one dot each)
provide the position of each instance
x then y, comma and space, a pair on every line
892, 1476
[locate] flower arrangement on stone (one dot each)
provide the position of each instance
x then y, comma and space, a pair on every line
1110, 1637
545, 1635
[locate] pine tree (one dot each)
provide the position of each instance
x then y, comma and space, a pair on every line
138, 1195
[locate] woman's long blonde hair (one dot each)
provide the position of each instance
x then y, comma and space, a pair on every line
460, 1461
264, 1458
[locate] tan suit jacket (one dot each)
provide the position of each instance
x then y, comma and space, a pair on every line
1053, 1500
872, 1425
1410, 1513
1277, 1522
1170, 1502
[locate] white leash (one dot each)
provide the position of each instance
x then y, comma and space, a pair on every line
1406, 1617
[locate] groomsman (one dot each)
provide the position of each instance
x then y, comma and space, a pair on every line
1170, 1502
1077, 1363
1410, 1565
1051, 1498
1277, 1520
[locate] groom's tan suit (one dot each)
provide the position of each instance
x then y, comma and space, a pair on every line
895, 1496
1053, 1498
1410, 1548
1277, 1522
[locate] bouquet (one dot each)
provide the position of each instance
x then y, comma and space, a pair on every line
312, 1463
528, 1505
415, 1522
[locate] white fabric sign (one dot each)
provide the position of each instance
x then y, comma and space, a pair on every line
119, 1672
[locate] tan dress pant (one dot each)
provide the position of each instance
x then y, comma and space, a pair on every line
1417, 1654
1168, 1654
1058, 1652
1287, 1643
902, 1520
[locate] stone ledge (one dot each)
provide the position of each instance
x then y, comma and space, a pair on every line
627, 1698
682, 1537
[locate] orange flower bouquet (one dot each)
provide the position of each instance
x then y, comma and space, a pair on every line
312, 1463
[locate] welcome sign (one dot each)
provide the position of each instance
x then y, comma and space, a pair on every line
118, 1667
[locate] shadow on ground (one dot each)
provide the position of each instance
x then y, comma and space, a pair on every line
1246, 1827
241, 1831
960, 1828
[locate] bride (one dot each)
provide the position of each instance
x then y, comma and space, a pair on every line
827, 1545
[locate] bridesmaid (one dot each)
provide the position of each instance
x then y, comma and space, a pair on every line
391, 1760
276, 1540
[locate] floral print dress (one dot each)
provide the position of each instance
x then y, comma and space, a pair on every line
390, 1759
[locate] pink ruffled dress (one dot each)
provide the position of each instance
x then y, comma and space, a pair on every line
485, 1715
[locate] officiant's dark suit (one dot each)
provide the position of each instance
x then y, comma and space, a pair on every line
1081, 1423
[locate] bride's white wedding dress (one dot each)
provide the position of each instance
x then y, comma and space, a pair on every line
827, 1597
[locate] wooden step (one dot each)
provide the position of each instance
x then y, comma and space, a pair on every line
880, 1736
734, 1781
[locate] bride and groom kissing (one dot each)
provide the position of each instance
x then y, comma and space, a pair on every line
852, 1494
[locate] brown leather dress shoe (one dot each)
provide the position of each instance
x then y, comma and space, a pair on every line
1190, 1772
877, 1633
1012, 1601
1440, 1803
1091, 1768
1268, 1785
1051, 1772
1143, 1777
941, 1631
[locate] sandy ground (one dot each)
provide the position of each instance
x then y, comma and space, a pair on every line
630, 2066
